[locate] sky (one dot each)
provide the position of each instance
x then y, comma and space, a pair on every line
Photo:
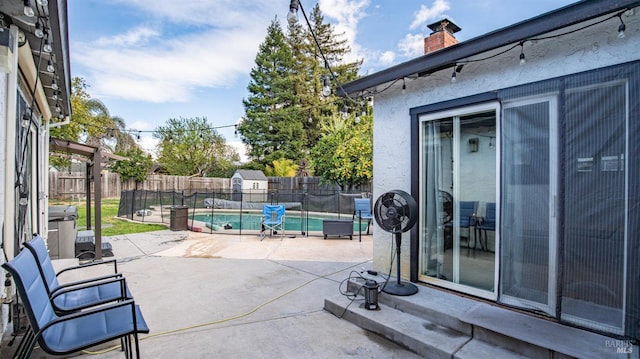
152, 60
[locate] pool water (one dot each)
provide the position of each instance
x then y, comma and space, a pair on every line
252, 222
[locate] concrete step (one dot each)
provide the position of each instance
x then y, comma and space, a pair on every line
423, 337
436, 323
477, 349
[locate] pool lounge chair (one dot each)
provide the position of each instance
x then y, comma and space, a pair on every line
272, 220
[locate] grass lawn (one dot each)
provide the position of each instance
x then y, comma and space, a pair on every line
109, 212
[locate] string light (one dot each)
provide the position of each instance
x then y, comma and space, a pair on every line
47, 46
39, 32
621, 28
50, 67
26, 120
28, 10
522, 59
292, 16
326, 89
404, 87
453, 75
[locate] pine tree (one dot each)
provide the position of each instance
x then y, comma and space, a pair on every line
319, 65
271, 127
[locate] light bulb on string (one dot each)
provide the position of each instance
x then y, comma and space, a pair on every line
47, 46
326, 89
292, 16
621, 28
38, 31
27, 9
522, 57
26, 120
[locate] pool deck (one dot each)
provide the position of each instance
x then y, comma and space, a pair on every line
221, 296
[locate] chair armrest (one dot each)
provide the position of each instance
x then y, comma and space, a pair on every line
124, 294
91, 264
90, 281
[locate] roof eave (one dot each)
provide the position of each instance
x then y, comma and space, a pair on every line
446, 58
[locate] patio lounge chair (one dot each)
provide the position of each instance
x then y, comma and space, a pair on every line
272, 220
69, 333
77, 295
362, 211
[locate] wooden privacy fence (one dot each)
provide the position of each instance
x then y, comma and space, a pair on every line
65, 185
71, 185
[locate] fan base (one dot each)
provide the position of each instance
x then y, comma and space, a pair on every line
400, 288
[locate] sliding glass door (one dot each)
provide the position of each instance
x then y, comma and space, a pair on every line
458, 199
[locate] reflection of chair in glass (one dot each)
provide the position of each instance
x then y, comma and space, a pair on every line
363, 211
488, 223
272, 220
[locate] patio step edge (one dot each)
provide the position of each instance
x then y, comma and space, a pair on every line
419, 335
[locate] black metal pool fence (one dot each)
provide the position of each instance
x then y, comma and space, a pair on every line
156, 206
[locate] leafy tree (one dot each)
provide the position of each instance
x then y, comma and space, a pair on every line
271, 128
283, 167
91, 124
191, 147
344, 155
137, 166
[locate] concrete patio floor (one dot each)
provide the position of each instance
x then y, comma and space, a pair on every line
227, 296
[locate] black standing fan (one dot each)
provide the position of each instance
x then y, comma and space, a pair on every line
396, 212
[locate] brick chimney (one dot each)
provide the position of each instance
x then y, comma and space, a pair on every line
441, 36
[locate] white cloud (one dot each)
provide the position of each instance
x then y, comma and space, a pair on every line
412, 45
387, 58
347, 15
429, 13
152, 65
218, 13
136, 36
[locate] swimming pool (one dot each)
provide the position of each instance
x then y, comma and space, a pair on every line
251, 221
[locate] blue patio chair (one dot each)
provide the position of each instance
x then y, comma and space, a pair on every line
487, 223
70, 333
467, 219
362, 210
272, 220
77, 295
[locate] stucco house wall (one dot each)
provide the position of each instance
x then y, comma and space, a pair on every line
588, 49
